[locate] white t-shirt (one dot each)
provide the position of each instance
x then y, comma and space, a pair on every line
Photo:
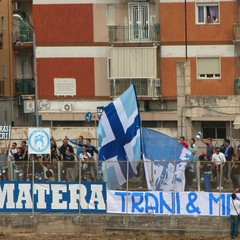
218, 158
11, 157
237, 206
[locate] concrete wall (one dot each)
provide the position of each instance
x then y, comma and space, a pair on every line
57, 224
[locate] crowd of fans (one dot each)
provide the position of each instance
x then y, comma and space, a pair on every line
216, 166
65, 163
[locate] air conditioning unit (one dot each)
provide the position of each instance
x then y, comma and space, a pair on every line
66, 107
43, 104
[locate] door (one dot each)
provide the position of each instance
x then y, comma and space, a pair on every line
138, 21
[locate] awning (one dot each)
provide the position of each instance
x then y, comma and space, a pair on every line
133, 62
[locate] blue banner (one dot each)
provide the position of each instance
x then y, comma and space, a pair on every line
165, 160
53, 197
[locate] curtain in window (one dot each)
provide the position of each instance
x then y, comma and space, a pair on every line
200, 14
213, 10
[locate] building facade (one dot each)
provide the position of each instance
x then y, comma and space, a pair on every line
182, 56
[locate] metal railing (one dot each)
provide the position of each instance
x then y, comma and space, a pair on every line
199, 175
24, 86
22, 36
125, 34
144, 87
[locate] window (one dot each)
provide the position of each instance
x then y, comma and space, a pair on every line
1, 88
109, 68
24, 68
4, 71
110, 14
207, 13
215, 130
2, 23
209, 68
1, 40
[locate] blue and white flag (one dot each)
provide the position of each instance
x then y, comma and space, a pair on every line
165, 160
119, 139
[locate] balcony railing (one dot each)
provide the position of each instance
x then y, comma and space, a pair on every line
123, 34
20, 37
24, 86
148, 88
2, 88
236, 32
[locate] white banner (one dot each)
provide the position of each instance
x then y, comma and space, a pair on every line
39, 141
5, 132
168, 203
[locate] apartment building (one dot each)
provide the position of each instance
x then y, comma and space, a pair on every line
182, 55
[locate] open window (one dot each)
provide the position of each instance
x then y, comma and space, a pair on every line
207, 13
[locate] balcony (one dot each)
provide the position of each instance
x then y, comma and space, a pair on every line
2, 89
145, 88
129, 34
24, 86
22, 37
236, 32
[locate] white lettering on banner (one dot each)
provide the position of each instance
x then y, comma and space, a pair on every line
57, 196
24, 196
179, 203
41, 190
5, 132
96, 198
52, 196
7, 191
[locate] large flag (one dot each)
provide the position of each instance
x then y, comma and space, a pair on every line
119, 139
165, 160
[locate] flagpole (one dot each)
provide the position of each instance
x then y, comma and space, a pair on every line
127, 184
140, 128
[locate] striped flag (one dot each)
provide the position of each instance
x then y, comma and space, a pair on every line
119, 139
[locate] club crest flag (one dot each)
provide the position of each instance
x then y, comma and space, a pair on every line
165, 161
39, 141
119, 139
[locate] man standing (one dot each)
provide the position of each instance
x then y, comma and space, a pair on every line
65, 146
88, 173
235, 172
69, 165
210, 147
3, 165
229, 151
206, 166
78, 142
90, 148
19, 160
191, 169
218, 158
